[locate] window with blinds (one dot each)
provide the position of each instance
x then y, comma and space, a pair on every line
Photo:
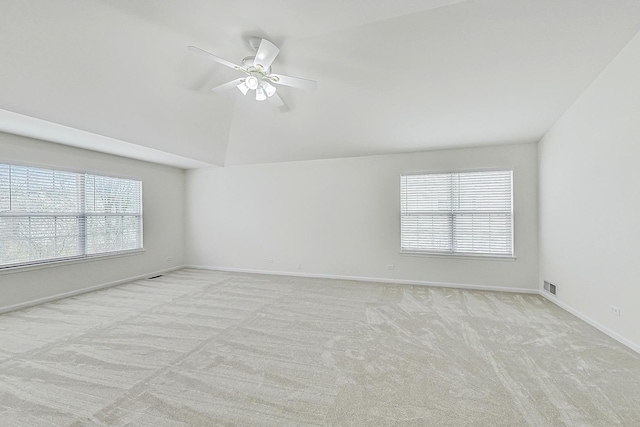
49, 215
459, 213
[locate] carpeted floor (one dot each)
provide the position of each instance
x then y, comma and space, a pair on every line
203, 348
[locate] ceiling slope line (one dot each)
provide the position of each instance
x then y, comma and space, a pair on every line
591, 83
23, 125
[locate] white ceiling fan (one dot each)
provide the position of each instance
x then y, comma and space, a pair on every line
258, 72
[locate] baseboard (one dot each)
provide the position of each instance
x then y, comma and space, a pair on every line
84, 290
369, 279
622, 340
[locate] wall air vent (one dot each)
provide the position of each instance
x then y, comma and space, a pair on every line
551, 288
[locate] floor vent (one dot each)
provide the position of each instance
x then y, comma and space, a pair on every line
551, 288
155, 277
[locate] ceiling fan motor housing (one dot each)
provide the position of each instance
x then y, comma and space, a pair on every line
247, 63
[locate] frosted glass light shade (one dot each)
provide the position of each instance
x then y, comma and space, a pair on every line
243, 88
252, 82
268, 88
260, 95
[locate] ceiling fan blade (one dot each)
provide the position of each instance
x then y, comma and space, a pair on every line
293, 81
210, 55
227, 86
276, 101
267, 52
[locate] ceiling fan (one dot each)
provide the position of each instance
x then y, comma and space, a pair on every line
259, 77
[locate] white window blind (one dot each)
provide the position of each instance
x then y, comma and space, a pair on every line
48, 215
466, 213
114, 214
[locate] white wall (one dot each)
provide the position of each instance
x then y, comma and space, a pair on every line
590, 200
341, 217
163, 198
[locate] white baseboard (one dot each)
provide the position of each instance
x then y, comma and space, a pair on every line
84, 290
622, 340
369, 279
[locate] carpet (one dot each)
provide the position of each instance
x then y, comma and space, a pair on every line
204, 348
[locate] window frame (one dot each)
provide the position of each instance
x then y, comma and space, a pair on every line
84, 256
461, 255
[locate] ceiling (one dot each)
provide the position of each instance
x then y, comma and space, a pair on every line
393, 76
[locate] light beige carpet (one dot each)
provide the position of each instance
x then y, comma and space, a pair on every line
202, 348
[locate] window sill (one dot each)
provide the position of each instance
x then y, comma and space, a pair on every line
69, 261
460, 256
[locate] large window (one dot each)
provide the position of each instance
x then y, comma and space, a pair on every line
460, 213
48, 215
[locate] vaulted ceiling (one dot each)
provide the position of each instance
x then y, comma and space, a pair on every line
393, 76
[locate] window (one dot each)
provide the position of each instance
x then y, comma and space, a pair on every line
460, 213
48, 215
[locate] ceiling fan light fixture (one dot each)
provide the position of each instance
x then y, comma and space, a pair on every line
257, 72
243, 88
252, 82
268, 88
260, 95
